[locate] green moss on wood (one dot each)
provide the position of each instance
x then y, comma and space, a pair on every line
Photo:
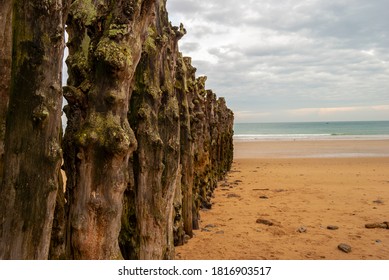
113, 54
172, 108
149, 45
40, 114
107, 133
84, 10
117, 30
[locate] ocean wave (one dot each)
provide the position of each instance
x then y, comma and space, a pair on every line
288, 137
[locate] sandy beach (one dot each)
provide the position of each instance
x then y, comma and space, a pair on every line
280, 198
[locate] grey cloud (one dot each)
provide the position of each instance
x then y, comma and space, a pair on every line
292, 54
350, 21
189, 47
184, 7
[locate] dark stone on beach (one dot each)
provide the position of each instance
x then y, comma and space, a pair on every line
263, 197
332, 227
206, 204
186, 238
302, 229
264, 222
232, 195
378, 225
344, 247
378, 201
378, 241
210, 226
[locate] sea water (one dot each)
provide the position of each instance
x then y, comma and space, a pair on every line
312, 131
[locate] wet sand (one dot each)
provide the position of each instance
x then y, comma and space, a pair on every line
301, 187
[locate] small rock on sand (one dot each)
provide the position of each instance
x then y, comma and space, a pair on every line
264, 222
210, 226
330, 227
378, 225
344, 247
378, 201
263, 197
302, 229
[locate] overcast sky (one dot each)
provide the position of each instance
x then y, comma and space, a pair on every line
291, 60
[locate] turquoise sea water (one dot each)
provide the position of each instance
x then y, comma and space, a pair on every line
312, 130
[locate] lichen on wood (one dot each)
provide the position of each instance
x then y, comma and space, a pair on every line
104, 48
181, 146
145, 142
5, 70
32, 153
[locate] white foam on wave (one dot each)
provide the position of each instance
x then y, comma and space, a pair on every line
294, 137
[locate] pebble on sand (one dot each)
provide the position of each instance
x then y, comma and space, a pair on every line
210, 226
302, 229
232, 195
332, 227
378, 225
264, 222
186, 238
378, 201
344, 247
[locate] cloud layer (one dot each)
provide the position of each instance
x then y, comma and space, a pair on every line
271, 59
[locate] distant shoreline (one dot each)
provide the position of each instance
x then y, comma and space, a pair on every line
304, 137
293, 131
308, 148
